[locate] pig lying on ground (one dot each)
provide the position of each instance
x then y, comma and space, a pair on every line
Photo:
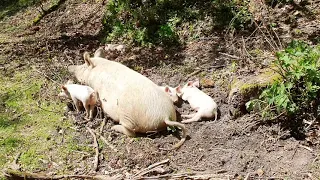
199, 101
84, 94
128, 97
115, 47
172, 92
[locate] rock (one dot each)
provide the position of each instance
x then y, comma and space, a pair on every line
248, 88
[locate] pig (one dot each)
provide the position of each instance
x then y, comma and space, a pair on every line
129, 98
100, 52
80, 93
199, 101
172, 92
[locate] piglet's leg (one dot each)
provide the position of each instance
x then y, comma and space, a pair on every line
87, 107
91, 111
123, 130
188, 115
76, 103
195, 118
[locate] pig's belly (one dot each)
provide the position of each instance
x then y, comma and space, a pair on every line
142, 124
110, 107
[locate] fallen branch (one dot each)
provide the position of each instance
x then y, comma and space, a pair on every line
102, 125
247, 176
231, 56
149, 168
17, 175
307, 148
106, 142
186, 176
193, 73
96, 147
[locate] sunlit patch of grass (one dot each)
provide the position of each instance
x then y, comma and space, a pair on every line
27, 128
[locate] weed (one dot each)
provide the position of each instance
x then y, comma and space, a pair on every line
299, 66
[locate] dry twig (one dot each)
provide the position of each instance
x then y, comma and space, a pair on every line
17, 175
102, 125
186, 176
247, 176
106, 142
149, 168
307, 148
96, 147
231, 56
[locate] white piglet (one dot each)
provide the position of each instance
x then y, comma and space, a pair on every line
172, 92
199, 101
84, 94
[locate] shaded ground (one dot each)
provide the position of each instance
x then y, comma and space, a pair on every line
227, 147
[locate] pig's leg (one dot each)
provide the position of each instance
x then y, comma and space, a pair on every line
87, 107
76, 103
188, 115
197, 117
123, 130
91, 111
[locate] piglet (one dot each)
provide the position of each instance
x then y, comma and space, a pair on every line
84, 94
172, 92
199, 101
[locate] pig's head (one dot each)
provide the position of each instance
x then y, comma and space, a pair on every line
81, 72
181, 92
64, 92
172, 92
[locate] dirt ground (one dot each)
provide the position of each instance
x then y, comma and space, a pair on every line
229, 148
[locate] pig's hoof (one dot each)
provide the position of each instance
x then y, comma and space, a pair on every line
186, 121
123, 130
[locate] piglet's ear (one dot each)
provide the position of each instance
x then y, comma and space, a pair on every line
196, 83
167, 89
178, 89
64, 88
190, 83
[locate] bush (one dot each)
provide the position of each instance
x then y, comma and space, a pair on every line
157, 21
299, 66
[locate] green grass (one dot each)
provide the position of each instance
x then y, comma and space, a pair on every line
33, 131
11, 7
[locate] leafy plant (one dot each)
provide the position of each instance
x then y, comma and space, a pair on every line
146, 22
299, 67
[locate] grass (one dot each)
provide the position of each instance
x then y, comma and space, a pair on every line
34, 131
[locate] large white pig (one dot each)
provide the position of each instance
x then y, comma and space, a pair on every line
128, 97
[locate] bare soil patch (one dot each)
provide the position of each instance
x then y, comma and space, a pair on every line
228, 147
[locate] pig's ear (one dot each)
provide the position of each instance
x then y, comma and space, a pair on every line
196, 83
70, 81
86, 57
64, 88
178, 89
167, 89
190, 83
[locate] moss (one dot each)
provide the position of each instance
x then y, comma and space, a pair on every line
26, 128
259, 82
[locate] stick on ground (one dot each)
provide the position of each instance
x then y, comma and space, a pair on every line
17, 175
146, 170
106, 142
96, 147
